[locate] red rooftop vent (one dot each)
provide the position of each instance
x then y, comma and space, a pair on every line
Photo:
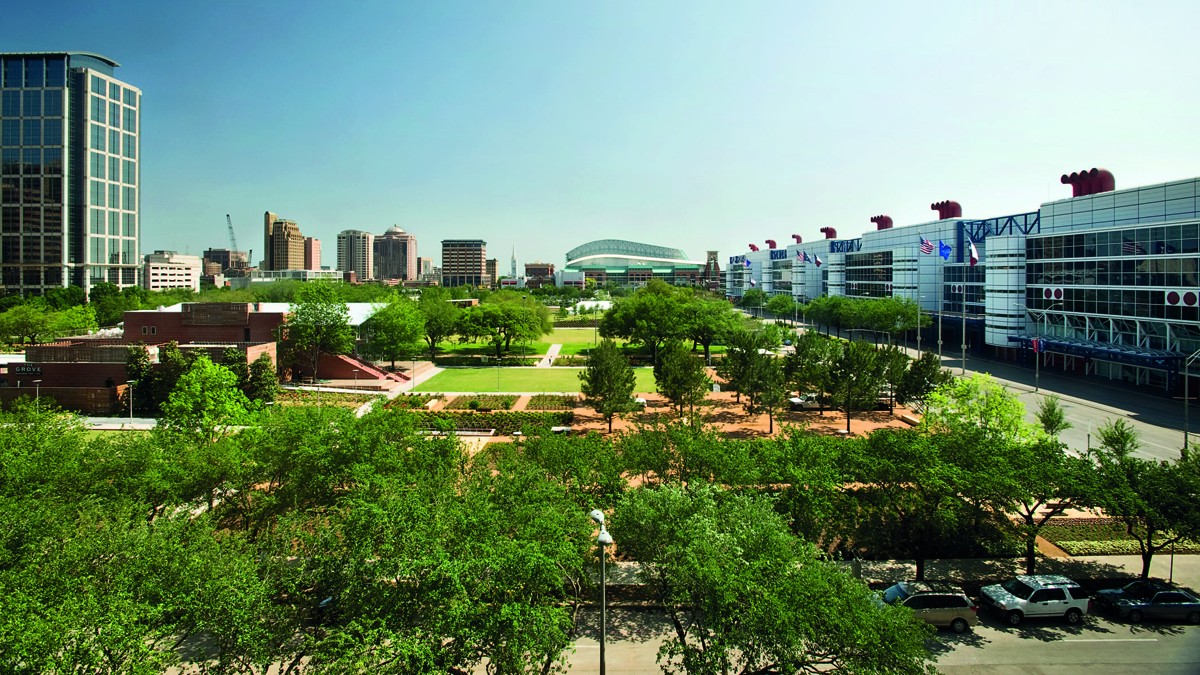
882, 222
947, 209
829, 232
770, 243
1089, 182
753, 247
798, 238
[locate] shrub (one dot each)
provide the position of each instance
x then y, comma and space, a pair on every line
482, 402
504, 422
551, 402
412, 400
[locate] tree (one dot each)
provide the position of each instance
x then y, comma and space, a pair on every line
65, 297
607, 381
262, 382
1051, 416
441, 317
710, 320
744, 596
781, 306
856, 374
681, 377
766, 386
28, 322
1042, 482
893, 365
319, 324
395, 329
1156, 501
924, 375
205, 403
808, 367
651, 316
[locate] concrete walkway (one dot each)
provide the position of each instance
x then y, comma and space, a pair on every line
551, 354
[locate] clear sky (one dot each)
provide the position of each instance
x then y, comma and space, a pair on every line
544, 125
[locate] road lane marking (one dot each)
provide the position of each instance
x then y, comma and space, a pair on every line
1111, 640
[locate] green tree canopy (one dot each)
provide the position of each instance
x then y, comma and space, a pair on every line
319, 324
681, 377
607, 381
394, 330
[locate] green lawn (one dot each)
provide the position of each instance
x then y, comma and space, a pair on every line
519, 379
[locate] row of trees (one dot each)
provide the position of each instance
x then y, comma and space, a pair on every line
248, 385
256, 537
658, 313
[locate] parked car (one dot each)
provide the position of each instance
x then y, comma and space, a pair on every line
938, 603
1041, 595
805, 402
1145, 599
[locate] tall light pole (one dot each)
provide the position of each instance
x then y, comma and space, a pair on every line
37, 395
131, 384
1187, 401
604, 539
1037, 353
356, 378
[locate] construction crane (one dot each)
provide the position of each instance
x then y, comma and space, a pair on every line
232, 236
233, 247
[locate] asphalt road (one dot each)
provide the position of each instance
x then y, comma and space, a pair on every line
1097, 646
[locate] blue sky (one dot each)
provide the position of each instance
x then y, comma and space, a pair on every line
544, 125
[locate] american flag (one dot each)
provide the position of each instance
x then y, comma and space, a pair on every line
926, 246
1130, 247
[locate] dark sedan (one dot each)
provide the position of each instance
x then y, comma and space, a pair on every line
1150, 600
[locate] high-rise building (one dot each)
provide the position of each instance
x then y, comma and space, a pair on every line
396, 255
70, 171
168, 269
312, 253
463, 262
283, 245
513, 268
356, 253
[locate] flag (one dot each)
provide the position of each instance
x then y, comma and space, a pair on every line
799, 256
807, 259
926, 246
973, 252
818, 261
944, 250
1037, 347
753, 283
1130, 247
747, 261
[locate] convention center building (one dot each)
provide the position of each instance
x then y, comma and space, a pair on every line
1103, 283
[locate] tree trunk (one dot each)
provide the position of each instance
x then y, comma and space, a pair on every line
610, 423
1147, 556
920, 569
1030, 551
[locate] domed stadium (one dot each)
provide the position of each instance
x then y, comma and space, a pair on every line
632, 263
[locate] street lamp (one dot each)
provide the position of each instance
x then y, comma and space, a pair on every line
37, 394
1187, 402
356, 378
604, 539
131, 383
1037, 353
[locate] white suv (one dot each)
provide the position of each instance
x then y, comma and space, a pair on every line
1037, 596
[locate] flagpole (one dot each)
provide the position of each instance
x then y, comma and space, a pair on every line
941, 289
964, 322
918, 294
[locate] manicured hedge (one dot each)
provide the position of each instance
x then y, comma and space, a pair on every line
504, 421
478, 361
413, 401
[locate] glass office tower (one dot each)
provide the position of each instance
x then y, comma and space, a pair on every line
69, 144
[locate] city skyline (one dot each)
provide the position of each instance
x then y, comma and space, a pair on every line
545, 126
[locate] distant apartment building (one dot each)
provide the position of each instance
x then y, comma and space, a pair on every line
539, 274
312, 253
283, 244
70, 172
168, 269
464, 263
356, 253
491, 268
227, 259
396, 255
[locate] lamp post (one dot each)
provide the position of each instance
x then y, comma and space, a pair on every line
37, 395
356, 378
604, 539
131, 384
1187, 401
1037, 353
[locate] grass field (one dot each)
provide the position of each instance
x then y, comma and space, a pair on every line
519, 379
